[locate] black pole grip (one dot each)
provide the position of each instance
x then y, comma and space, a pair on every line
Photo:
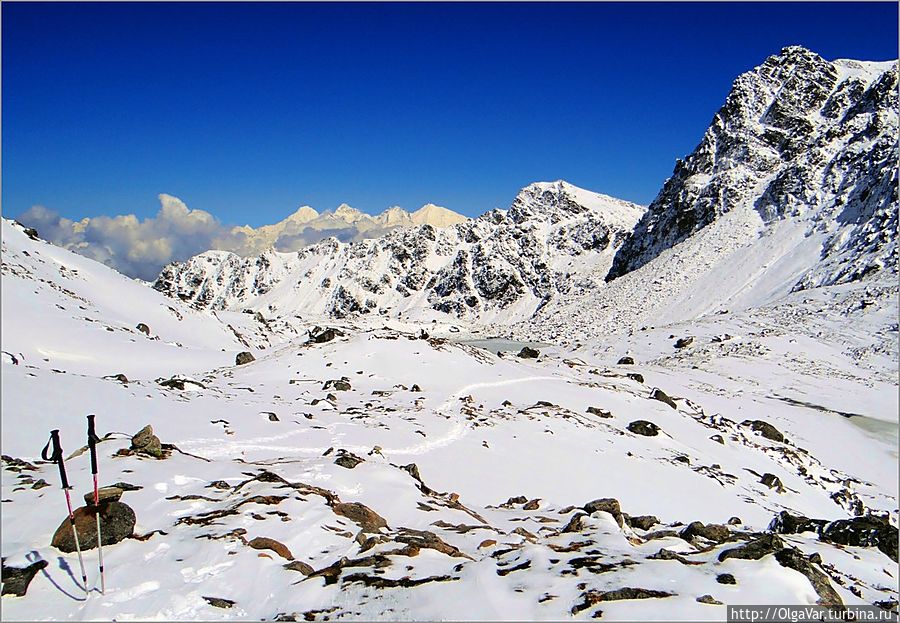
92, 442
56, 456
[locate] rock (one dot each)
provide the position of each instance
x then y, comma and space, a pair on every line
709, 599
684, 341
121, 378
643, 522
725, 578
219, 602
633, 593
772, 482
279, 548
786, 522
299, 565
320, 335
528, 353
143, 328
718, 439
243, 358
347, 459
599, 412
487, 543
341, 385
145, 442
218, 484
634, 376
793, 558
415, 389
178, 383
734, 521
755, 549
117, 521
868, 531
643, 427
423, 539
658, 394
17, 579
608, 505
365, 517
272, 416
519, 499
533, 505
576, 523
626, 361
712, 532
106, 494
40, 484
765, 429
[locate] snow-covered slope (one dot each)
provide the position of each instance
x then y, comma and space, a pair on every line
396, 491
555, 238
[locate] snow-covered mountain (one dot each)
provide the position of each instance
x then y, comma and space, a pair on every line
555, 239
307, 226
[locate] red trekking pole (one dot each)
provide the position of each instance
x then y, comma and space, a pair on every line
57, 457
92, 444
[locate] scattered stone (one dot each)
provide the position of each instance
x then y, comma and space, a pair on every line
272, 416
725, 578
734, 521
533, 505
320, 335
765, 429
365, 517
299, 565
634, 376
868, 531
341, 385
718, 439
642, 522
219, 484
709, 599
279, 548
643, 427
487, 543
772, 482
416, 389
609, 505
528, 353
121, 378
626, 361
793, 558
658, 394
243, 358
143, 328
599, 412
347, 459
105, 494
17, 579
423, 539
712, 532
178, 383
117, 521
40, 484
145, 442
755, 549
576, 523
684, 341
219, 602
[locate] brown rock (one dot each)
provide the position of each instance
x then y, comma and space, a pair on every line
368, 520
117, 521
279, 548
487, 543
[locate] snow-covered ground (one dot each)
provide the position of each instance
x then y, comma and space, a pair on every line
256, 447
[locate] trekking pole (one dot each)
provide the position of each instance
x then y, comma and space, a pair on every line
92, 444
57, 457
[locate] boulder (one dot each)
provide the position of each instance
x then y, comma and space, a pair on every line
143, 328
320, 335
341, 385
868, 531
712, 532
105, 494
658, 394
709, 599
643, 427
528, 353
347, 459
299, 565
145, 442
17, 579
599, 412
243, 358
754, 550
219, 602
117, 521
532, 505
262, 542
608, 505
365, 517
725, 578
642, 522
684, 341
772, 482
626, 361
635, 376
793, 558
576, 523
765, 429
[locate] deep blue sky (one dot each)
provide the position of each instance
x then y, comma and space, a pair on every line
250, 110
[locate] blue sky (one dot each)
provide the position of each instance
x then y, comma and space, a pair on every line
250, 110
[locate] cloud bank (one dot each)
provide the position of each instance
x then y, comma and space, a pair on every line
140, 248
